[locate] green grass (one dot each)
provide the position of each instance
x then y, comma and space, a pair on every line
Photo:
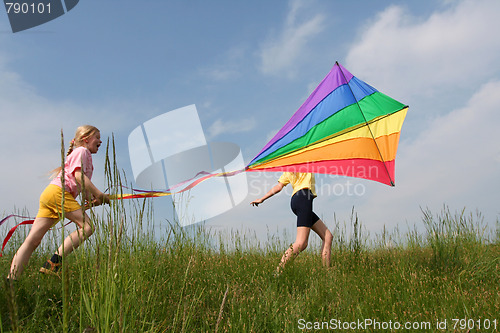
123, 280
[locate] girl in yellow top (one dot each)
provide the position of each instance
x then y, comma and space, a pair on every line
304, 192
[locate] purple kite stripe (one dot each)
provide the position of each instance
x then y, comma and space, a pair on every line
335, 78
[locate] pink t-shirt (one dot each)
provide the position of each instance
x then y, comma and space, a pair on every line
79, 158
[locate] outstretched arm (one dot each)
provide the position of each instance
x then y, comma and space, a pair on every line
90, 192
276, 189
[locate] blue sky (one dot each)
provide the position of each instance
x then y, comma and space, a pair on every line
248, 66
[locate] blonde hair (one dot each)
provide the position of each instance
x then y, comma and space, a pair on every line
83, 132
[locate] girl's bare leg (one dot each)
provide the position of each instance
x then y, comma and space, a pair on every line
40, 227
297, 247
85, 229
326, 236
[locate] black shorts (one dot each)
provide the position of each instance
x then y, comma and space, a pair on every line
302, 203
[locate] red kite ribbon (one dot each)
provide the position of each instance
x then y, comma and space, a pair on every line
11, 231
13, 215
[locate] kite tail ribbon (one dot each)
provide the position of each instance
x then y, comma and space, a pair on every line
191, 183
11, 231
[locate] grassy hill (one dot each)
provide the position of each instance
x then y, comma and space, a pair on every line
124, 281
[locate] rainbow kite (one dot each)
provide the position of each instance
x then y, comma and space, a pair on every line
346, 127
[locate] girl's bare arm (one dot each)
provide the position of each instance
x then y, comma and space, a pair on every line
275, 190
89, 191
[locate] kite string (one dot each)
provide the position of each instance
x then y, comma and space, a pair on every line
191, 183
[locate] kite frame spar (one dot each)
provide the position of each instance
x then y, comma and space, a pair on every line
368, 125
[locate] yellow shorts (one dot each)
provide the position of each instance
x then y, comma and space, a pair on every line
50, 202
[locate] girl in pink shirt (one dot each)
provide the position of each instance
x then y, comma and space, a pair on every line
78, 170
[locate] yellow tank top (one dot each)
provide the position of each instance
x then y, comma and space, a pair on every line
299, 181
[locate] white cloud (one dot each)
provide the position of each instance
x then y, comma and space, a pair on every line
450, 50
280, 53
